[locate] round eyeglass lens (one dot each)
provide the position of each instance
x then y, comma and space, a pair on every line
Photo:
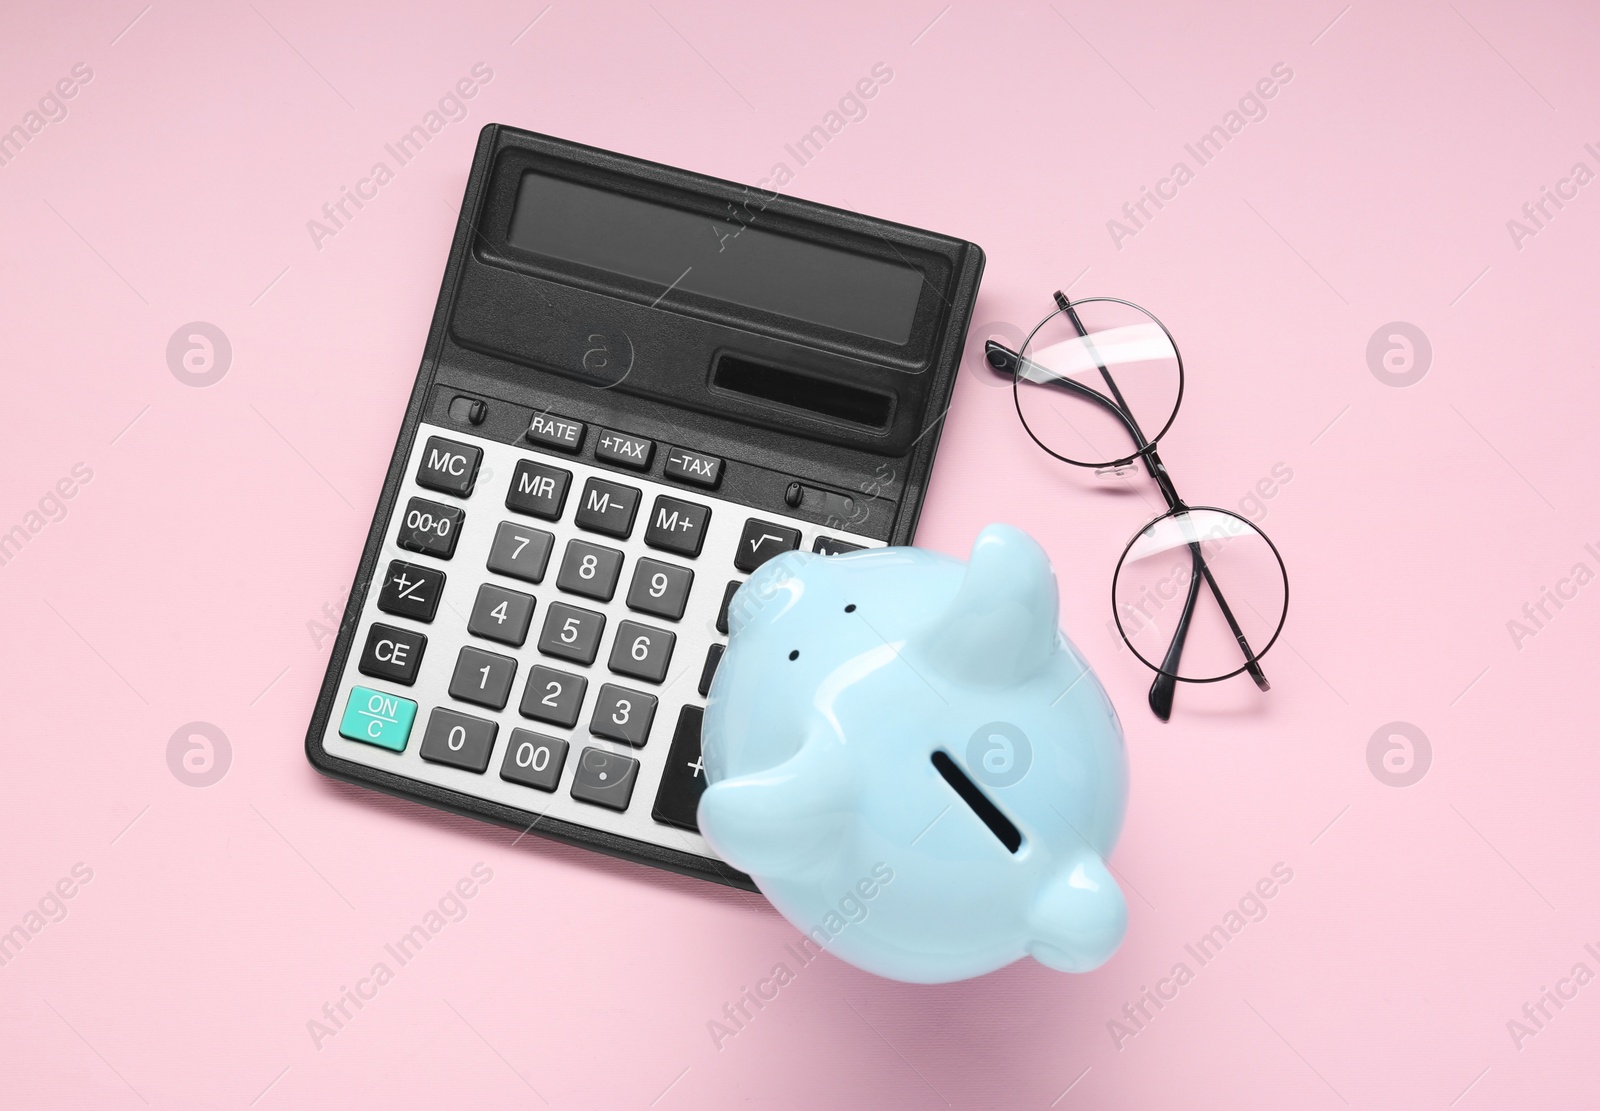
1098, 382
1200, 594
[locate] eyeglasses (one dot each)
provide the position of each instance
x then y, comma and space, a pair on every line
1200, 594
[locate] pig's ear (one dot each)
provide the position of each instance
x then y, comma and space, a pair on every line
786, 820
1000, 628
1078, 919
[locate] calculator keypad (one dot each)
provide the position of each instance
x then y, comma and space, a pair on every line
559, 664
590, 569
430, 528
661, 589
641, 651
608, 508
538, 490
392, 653
501, 614
553, 696
677, 526
483, 678
459, 740
520, 551
571, 633
411, 591
625, 715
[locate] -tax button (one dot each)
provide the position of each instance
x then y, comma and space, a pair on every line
691, 466
448, 467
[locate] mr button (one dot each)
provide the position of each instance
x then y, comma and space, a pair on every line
392, 654
448, 467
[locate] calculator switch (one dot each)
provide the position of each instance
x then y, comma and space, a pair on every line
411, 591
607, 507
623, 715
605, 778
692, 467
632, 452
378, 718
430, 528
683, 779
520, 552
832, 545
449, 467
538, 489
458, 740
590, 570
392, 654
557, 432
660, 589
483, 678
534, 760
641, 651
677, 526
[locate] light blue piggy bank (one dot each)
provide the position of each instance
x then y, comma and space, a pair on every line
916, 767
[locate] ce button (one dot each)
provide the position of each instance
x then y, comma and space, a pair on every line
393, 654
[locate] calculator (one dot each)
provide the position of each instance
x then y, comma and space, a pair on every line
640, 383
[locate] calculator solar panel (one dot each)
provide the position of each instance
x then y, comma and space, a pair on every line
593, 460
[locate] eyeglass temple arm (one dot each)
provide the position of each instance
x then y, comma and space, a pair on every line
1006, 361
1166, 682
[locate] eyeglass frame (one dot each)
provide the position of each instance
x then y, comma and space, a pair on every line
1003, 361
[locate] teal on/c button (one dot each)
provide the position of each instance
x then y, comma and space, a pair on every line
378, 718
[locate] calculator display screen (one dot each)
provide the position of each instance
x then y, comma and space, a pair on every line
730, 260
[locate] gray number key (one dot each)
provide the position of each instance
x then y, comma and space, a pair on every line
483, 678
553, 696
501, 614
458, 740
641, 651
571, 633
590, 570
660, 589
534, 760
623, 715
520, 551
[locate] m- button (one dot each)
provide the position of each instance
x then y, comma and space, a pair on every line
448, 467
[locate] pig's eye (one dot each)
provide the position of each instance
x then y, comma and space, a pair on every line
851, 608
795, 655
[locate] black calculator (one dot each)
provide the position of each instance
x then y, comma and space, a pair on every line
640, 384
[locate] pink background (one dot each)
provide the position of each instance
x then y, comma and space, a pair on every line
221, 523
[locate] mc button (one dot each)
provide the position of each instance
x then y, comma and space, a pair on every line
448, 467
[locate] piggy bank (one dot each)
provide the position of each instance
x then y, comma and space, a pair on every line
913, 763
